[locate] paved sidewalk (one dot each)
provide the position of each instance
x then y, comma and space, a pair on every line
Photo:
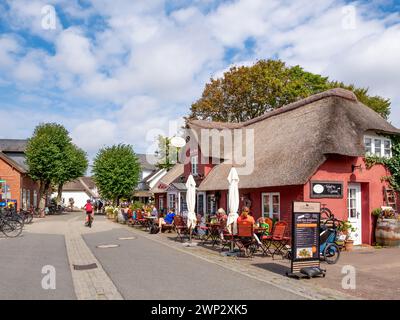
306, 289
93, 284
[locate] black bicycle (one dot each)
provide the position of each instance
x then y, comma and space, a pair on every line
11, 228
26, 216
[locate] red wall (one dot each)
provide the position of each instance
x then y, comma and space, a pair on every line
16, 181
338, 168
288, 194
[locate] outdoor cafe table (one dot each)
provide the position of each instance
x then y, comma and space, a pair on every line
150, 221
213, 232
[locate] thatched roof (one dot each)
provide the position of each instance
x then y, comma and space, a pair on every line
173, 175
293, 141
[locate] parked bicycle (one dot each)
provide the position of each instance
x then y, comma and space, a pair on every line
11, 228
27, 216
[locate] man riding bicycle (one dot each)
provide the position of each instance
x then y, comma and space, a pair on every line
89, 213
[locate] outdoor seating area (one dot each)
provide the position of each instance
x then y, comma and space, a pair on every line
266, 238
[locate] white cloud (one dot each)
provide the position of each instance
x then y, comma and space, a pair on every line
91, 135
143, 68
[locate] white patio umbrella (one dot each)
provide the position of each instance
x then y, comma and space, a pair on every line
191, 204
233, 179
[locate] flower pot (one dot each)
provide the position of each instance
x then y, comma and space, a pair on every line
348, 245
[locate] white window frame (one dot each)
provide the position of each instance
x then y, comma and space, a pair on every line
270, 214
195, 165
382, 147
35, 199
161, 203
170, 206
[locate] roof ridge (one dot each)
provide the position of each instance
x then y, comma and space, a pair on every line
336, 92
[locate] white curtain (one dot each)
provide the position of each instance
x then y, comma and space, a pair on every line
233, 179
191, 202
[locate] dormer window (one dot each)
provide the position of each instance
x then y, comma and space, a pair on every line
195, 164
378, 146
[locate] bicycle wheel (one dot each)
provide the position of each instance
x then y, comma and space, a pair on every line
28, 218
331, 253
12, 228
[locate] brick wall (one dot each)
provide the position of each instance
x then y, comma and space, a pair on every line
16, 182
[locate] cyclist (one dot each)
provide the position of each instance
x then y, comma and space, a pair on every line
89, 213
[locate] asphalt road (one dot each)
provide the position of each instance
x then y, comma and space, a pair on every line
143, 269
21, 263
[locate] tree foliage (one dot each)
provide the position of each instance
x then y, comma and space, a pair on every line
116, 172
166, 153
244, 92
52, 158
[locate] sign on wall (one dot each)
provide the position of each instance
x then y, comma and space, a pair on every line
326, 189
305, 235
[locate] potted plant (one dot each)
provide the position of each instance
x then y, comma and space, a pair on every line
387, 230
346, 228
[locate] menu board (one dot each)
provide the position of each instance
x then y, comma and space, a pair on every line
326, 189
305, 234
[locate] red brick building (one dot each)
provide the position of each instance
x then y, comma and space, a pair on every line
310, 150
19, 187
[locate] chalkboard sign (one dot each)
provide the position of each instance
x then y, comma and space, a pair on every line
305, 235
326, 189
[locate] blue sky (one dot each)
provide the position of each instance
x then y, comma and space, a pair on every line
125, 70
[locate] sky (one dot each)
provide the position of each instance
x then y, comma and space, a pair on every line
124, 71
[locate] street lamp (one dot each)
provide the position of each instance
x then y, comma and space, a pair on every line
178, 142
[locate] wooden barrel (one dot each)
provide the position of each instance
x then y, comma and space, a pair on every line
387, 232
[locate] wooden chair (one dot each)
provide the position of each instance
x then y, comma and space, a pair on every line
277, 239
245, 238
180, 228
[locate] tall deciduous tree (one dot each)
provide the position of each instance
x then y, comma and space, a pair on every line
116, 172
45, 155
166, 153
73, 165
244, 92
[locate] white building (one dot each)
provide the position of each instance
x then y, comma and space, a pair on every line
80, 190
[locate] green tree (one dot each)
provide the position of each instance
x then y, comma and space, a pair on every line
116, 172
45, 155
166, 153
73, 165
244, 93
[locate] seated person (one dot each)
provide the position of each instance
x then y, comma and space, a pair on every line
245, 217
222, 218
167, 220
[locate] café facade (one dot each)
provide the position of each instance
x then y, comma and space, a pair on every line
310, 150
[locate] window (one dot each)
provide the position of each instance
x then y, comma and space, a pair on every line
28, 199
194, 162
380, 147
368, 145
200, 203
172, 201
387, 148
211, 204
35, 198
161, 203
271, 205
